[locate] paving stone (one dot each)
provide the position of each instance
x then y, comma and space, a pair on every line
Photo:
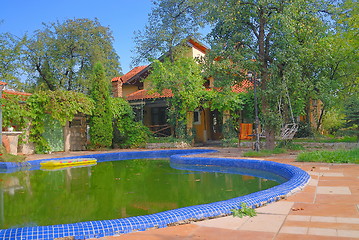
298, 218
323, 219
332, 174
229, 222
334, 190
348, 233
294, 230
264, 223
313, 182
322, 231
280, 207
347, 220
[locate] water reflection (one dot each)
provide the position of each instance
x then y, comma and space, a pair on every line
117, 189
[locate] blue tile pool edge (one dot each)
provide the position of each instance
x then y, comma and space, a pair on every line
297, 179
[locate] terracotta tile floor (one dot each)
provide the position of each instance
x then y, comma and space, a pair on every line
326, 209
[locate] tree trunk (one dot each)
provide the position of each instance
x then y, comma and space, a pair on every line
189, 125
270, 139
263, 58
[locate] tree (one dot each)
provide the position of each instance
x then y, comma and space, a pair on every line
351, 111
10, 65
101, 129
262, 36
62, 55
169, 23
183, 77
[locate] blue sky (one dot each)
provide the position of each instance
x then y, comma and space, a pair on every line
122, 16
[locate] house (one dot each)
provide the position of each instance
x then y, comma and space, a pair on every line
151, 108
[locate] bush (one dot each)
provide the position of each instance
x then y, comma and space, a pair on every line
333, 121
127, 132
304, 130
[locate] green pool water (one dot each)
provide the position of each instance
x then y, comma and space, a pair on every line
113, 190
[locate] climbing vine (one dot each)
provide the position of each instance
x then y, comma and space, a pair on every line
60, 105
14, 111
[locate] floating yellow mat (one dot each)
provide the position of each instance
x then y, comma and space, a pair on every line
68, 162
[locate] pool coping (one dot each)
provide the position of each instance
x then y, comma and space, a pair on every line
297, 179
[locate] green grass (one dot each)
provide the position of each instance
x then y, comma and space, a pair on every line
289, 145
327, 139
338, 156
6, 157
264, 152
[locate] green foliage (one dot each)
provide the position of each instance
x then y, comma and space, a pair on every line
169, 22
101, 129
333, 121
338, 156
127, 132
244, 211
64, 105
280, 42
351, 110
14, 112
10, 64
183, 77
62, 54
60, 105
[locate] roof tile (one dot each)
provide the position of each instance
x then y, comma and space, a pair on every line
145, 94
129, 75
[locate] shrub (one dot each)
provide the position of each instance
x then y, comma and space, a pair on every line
101, 121
127, 132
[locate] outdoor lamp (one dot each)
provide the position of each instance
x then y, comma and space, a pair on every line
255, 81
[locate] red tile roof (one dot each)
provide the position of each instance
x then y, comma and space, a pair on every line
167, 93
129, 75
13, 92
198, 45
242, 87
3, 83
145, 94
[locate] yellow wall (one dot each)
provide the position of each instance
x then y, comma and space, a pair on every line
203, 131
128, 89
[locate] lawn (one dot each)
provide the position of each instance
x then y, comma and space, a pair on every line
338, 156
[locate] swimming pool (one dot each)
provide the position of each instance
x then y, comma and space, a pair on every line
296, 179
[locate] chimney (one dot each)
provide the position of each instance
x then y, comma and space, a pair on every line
117, 87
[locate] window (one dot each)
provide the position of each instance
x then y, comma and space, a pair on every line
196, 117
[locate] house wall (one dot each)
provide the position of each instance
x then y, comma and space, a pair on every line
128, 89
202, 128
197, 53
